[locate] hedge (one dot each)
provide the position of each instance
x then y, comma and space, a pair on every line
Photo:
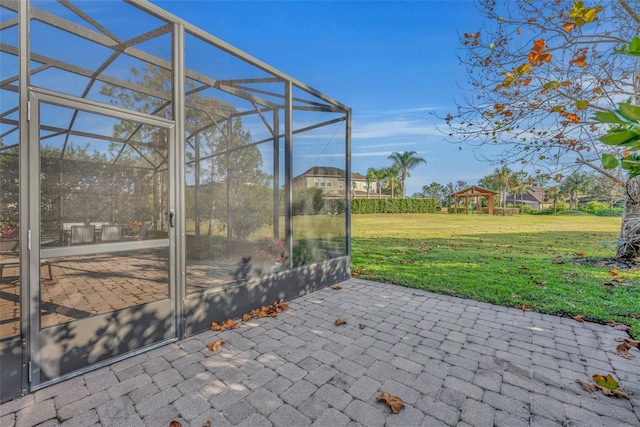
366, 206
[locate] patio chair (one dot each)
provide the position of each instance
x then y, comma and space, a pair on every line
83, 234
111, 233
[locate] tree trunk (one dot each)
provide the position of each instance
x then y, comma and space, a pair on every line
629, 243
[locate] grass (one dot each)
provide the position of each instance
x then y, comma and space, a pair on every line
554, 264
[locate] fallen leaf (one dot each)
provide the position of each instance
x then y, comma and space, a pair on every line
361, 326
336, 287
226, 325
620, 393
634, 316
393, 402
619, 339
215, 345
581, 254
525, 308
608, 284
247, 317
634, 343
523, 267
618, 279
557, 261
614, 271
341, 321
579, 318
175, 424
540, 283
207, 424
623, 351
607, 382
622, 327
587, 386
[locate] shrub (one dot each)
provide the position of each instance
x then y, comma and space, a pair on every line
601, 209
365, 206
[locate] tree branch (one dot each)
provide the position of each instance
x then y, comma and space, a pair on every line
630, 11
599, 169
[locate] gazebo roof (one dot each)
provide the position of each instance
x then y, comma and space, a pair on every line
474, 190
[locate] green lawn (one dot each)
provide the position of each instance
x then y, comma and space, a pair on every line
554, 264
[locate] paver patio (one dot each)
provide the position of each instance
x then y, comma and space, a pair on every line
452, 361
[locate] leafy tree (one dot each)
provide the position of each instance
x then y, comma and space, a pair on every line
449, 190
606, 189
435, 191
461, 185
404, 162
539, 71
574, 185
219, 153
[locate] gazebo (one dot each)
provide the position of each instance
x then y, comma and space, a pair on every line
474, 192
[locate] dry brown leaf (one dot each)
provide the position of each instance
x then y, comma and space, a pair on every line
207, 424
588, 386
393, 402
619, 339
175, 424
620, 393
634, 343
614, 271
579, 319
634, 316
336, 287
215, 345
525, 308
247, 317
622, 327
361, 326
523, 267
341, 321
623, 350
226, 325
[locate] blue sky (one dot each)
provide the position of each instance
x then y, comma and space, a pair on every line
393, 63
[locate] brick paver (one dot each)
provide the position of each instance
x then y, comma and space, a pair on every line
453, 362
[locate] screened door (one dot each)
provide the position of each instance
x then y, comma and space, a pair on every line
104, 204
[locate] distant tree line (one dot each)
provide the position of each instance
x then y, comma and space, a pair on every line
559, 191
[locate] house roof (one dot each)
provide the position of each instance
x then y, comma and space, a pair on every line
533, 195
475, 190
331, 171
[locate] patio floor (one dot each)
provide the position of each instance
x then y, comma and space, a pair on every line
454, 362
95, 284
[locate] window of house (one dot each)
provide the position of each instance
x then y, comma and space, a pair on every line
322, 182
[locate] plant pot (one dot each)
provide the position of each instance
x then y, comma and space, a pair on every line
9, 245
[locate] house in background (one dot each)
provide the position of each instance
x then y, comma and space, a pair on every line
332, 182
534, 197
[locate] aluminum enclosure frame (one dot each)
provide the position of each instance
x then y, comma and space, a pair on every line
238, 132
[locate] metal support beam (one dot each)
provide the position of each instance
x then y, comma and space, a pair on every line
288, 171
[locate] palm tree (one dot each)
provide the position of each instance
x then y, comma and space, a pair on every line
372, 175
390, 176
405, 162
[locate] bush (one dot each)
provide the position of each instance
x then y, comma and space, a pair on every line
365, 206
525, 208
505, 211
601, 209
